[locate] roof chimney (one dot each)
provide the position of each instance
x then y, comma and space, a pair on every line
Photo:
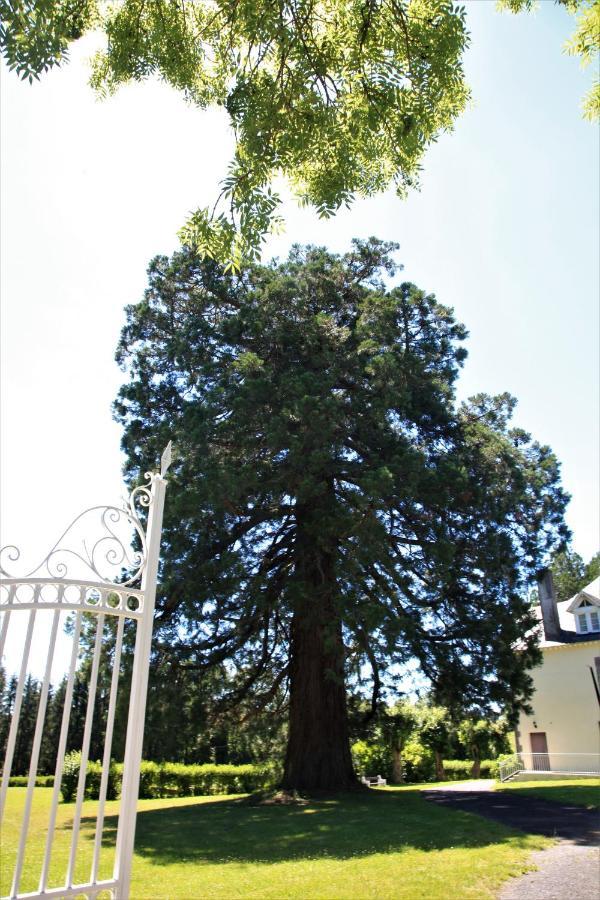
552, 629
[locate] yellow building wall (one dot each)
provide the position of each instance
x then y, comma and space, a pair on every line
565, 703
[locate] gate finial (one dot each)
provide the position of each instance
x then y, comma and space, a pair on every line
166, 459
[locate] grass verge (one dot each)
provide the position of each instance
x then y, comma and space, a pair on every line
380, 844
579, 792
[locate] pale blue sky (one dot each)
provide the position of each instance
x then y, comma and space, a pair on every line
505, 229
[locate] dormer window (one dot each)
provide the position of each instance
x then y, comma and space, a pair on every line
585, 607
587, 618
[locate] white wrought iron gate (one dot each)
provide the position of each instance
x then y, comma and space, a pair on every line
112, 612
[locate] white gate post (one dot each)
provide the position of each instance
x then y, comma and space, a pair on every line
51, 587
139, 689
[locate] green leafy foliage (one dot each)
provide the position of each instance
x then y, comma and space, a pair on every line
584, 42
340, 98
419, 741
27, 719
396, 725
70, 775
35, 34
477, 736
371, 758
320, 447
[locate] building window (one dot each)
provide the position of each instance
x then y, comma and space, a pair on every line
587, 619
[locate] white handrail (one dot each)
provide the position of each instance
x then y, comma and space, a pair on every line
561, 763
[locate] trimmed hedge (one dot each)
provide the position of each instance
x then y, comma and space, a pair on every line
179, 780
40, 781
159, 780
460, 769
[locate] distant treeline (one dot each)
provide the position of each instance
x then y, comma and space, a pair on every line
177, 720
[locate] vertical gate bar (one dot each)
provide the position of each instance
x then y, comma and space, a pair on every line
14, 725
35, 754
60, 754
137, 699
87, 733
110, 721
4, 631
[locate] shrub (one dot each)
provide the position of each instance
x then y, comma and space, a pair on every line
489, 768
418, 761
18, 781
71, 767
150, 784
371, 759
70, 779
94, 778
113, 786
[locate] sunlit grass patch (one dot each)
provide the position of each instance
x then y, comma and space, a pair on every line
381, 843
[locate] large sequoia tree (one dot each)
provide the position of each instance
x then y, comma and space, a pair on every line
332, 510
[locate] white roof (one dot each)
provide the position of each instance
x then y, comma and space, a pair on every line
590, 592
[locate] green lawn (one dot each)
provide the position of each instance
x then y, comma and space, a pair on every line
383, 843
581, 792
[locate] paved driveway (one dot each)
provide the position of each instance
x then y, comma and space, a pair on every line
533, 815
568, 871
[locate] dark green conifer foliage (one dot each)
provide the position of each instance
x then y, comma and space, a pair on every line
51, 733
331, 505
7, 688
570, 574
592, 570
27, 719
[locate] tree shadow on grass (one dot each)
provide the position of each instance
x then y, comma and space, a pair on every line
529, 813
343, 827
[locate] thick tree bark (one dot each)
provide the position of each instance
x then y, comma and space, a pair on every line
440, 775
397, 767
476, 770
318, 750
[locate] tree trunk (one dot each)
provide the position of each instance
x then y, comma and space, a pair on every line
397, 767
440, 775
318, 750
476, 770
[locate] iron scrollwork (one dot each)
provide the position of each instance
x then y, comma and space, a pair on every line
109, 551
